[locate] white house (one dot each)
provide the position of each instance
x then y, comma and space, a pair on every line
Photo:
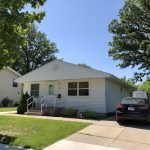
8, 87
68, 85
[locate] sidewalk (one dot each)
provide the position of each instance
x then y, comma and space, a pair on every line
13, 113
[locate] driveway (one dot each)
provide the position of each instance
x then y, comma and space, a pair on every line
108, 135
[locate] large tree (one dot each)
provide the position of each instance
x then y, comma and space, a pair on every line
14, 20
37, 51
131, 82
85, 66
131, 40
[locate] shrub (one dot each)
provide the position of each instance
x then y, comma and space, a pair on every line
5, 102
16, 104
70, 113
89, 114
22, 108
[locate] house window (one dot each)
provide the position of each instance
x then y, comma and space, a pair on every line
35, 90
72, 89
51, 89
83, 88
15, 84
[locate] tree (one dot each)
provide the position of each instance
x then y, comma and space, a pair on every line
22, 108
37, 51
130, 82
14, 21
144, 3
85, 65
131, 40
145, 86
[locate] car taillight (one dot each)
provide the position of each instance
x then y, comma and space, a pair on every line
145, 107
120, 106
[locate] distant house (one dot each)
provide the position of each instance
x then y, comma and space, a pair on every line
8, 87
63, 84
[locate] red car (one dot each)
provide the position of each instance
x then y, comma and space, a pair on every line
133, 109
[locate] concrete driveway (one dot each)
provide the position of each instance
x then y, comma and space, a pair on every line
108, 135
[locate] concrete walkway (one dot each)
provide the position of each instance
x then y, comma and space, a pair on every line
107, 135
13, 113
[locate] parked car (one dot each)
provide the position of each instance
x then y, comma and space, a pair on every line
133, 108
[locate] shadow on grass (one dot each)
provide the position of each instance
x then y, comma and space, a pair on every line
5, 139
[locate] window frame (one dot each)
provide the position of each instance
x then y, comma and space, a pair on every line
73, 89
14, 84
78, 88
83, 88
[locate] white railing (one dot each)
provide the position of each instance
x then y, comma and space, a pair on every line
28, 104
43, 103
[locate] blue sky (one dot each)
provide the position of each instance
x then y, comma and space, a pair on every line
80, 30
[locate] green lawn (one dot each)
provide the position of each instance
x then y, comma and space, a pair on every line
8, 109
35, 133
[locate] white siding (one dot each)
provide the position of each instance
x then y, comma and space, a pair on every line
6, 88
95, 101
114, 94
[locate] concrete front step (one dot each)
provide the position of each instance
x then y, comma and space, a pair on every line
34, 110
35, 113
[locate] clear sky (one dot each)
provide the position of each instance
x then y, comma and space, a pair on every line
80, 30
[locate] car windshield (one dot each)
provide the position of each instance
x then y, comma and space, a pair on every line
137, 101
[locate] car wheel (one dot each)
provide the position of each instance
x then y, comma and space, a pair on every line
148, 117
119, 120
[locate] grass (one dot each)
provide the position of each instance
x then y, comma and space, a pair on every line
35, 133
8, 109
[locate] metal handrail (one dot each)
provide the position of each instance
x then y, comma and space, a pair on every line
42, 104
29, 103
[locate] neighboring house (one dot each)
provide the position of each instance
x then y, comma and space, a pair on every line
8, 87
71, 86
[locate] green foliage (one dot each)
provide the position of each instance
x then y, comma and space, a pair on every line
22, 108
89, 114
37, 51
145, 86
6, 102
14, 21
70, 113
131, 40
144, 3
85, 65
130, 82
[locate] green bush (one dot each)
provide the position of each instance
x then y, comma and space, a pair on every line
6, 102
22, 108
70, 113
89, 114
16, 104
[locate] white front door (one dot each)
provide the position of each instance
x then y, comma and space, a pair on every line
51, 89
51, 95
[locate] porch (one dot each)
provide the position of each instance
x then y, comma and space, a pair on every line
43, 104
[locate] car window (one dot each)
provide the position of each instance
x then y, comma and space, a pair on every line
137, 101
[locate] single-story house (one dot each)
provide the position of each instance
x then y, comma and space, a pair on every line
8, 87
71, 86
